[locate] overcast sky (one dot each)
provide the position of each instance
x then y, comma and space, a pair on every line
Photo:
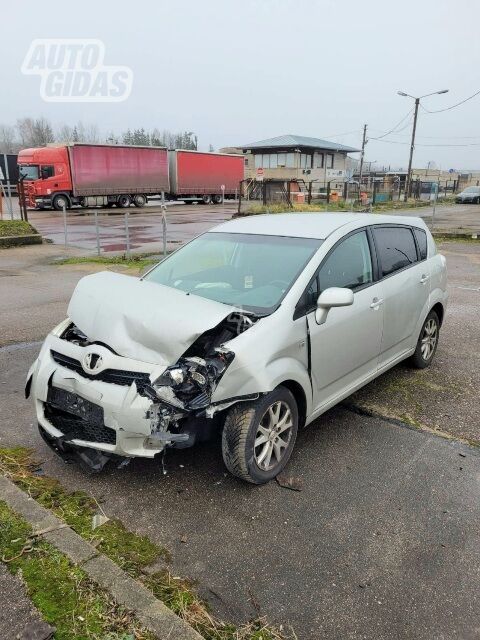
236, 71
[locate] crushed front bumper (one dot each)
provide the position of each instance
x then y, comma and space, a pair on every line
75, 409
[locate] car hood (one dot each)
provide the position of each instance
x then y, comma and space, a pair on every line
140, 319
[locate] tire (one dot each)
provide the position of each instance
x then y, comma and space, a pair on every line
61, 201
206, 199
124, 201
139, 200
217, 199
243, 426
427, 342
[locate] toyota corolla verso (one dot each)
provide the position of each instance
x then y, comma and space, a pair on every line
255, 328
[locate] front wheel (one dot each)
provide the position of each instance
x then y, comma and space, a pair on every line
61, 202
427, 342
258, 437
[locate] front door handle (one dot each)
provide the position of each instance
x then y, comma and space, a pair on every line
424, 278
376, 302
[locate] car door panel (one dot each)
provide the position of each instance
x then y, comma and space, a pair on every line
346, 347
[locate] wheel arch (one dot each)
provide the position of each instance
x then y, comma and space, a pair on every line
439, 310
298, 393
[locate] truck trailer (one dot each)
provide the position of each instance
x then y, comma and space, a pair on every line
94, 175
205, 177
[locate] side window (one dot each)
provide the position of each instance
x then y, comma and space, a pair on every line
349, 265
421, 237
48, 171
396, 248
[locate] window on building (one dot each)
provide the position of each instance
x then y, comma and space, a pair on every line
258, 160
305, 161
329, 160
246, 162
290, 160
318, 160
281, 159
273, 161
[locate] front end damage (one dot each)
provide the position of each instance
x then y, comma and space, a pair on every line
94, 405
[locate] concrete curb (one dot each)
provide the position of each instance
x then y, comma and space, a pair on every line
454, 234
16, 241
127, 591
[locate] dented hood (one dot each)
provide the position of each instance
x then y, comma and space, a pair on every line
140, 319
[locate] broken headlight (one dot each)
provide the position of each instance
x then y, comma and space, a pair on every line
189, 384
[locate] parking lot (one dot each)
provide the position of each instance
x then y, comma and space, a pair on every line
382, 540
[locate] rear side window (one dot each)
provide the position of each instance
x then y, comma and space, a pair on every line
396, 248
421, 237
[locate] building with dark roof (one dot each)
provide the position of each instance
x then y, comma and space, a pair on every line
296, 157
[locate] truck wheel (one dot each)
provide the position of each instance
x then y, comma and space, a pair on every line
60, 202
124, 201
206, 199
258, 437
139, 200
217, 199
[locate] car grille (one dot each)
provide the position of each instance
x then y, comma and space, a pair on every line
77, 418
114, 376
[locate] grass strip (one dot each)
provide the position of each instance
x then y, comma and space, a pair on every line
65, 596
130, 551
15, 228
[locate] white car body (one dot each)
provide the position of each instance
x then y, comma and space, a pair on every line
139, 326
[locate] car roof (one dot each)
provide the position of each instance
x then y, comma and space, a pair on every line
308, 225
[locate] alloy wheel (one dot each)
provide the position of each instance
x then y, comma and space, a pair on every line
273, 435
429, 339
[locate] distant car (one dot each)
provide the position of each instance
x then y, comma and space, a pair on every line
470, 194
255, 328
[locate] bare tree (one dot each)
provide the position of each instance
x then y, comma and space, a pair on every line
34, 133
8, 139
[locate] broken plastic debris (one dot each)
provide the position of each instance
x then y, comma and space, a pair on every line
289, 482
99, 519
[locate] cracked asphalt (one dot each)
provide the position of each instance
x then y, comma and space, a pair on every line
383, 539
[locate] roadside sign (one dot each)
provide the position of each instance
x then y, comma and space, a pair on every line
222, 187
260, 173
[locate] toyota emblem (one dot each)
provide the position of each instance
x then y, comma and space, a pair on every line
92, 362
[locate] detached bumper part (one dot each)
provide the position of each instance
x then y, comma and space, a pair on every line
90, 459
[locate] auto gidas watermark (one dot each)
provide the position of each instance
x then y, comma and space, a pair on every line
74, 70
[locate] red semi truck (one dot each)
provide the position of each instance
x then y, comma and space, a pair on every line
106, 175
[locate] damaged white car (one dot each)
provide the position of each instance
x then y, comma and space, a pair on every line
255, 328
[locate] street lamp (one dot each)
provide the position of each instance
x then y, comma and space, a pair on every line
412, 145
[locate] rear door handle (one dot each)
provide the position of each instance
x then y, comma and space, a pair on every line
376, 303
424, 278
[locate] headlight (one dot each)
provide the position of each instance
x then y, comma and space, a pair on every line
191, 381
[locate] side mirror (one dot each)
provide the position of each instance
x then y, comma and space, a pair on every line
332, 297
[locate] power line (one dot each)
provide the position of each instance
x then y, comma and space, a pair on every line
471, 144
453, 106
396, 126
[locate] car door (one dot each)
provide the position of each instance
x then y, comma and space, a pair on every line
345, 349
406, 289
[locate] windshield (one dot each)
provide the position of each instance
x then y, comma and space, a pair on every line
28, 172
249, 271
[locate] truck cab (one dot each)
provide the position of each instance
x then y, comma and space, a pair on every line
45, 172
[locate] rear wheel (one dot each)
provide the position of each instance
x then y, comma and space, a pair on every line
258, 437
217, 199
124, 201
139, 200
427, 342
206, 199
61, 202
